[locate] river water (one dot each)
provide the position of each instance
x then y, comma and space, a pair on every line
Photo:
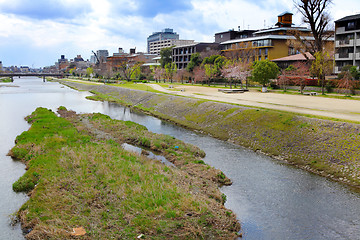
271, 199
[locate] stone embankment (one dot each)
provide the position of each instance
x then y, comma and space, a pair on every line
328, 148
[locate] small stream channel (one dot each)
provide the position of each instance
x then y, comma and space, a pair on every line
271, 199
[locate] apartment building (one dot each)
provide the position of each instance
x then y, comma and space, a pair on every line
347, 42
156, 46
181, 55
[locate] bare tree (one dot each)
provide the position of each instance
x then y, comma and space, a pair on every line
315, 14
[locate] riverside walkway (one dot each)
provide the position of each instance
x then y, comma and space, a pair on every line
346, 109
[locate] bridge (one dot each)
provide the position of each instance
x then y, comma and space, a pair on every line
43, 75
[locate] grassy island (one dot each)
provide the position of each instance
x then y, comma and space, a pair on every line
79, 177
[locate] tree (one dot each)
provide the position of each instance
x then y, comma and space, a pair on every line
128, 66
210, 72
199, 74
348, 82
165, 55
286, 76
89, 72
195, 60
349, 68
158, 73
237, 70
170, 70
315, 14
181, 75
302, 72
263, 71
321, 66
73, 71
213, 66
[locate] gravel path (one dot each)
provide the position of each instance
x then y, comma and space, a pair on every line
327, 107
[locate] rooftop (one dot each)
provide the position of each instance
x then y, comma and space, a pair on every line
349, 18
297, 57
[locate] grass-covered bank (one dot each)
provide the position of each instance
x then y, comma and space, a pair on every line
325, 147
78, 175
5, 80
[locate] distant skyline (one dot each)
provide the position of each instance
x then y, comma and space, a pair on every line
35, 33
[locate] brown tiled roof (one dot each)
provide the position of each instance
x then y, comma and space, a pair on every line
297, 57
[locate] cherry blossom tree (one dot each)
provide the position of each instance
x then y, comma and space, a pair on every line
236, 70
158, 73
199, 74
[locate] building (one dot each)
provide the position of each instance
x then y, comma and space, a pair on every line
271, 43
285, 62
165, 34
62, 63
181, 55
347, 42
232, 34
24, 69
156, 46
113, 62
102, 55
78, 59
1, 66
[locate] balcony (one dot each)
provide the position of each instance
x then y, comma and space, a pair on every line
357, 56
344, 56
357, 42
340, 30
337, 70
345, 43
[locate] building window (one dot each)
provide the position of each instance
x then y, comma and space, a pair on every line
351, 25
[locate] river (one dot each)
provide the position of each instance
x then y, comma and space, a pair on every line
271, 199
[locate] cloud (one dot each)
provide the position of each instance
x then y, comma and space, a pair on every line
45, 9
150, 8
39, 31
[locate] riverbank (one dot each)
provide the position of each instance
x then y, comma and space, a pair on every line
327, 148
5, 80
79, 177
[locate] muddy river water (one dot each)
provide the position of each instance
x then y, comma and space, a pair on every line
272, 200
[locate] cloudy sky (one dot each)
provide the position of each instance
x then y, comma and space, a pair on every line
35, 33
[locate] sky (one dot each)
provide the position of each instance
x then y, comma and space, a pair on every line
35, 33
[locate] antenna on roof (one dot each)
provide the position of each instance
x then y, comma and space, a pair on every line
264, 23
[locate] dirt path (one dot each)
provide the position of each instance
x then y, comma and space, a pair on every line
326, 107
